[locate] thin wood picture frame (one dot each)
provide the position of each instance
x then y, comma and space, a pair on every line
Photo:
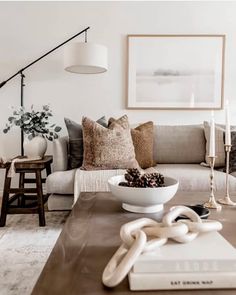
176, 72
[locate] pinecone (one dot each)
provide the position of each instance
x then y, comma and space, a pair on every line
158, 178
128, 177
135, 173
135, 179
140, 182
123, 183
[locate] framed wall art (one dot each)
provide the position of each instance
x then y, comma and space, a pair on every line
175, 71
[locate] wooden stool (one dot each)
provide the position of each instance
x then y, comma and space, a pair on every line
21, 194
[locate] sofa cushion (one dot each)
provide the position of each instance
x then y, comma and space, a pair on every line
61, 182
75, 133
108, 148
179, 144
194, 177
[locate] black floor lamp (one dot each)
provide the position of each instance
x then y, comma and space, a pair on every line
82, 58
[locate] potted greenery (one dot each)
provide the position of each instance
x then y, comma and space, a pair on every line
36, 127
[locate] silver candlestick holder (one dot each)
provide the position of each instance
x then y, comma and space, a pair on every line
211, 203
226, 200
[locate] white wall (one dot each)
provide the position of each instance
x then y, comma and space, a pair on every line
28, 29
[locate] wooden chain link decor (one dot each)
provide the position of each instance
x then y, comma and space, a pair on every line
144, 235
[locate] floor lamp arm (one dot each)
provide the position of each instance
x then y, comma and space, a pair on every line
44, 55
20, 72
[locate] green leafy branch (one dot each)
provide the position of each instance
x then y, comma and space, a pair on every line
33, 123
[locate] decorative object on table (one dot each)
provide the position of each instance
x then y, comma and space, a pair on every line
36, 147
76, 147
195, 265
108, 148
199, 209
144, 235
220, 130
134, 178
211, 203
219, 143
82, 58
36, 126
226, 200
143, 199
192, 77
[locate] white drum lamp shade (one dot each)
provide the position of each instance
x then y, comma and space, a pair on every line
85, 58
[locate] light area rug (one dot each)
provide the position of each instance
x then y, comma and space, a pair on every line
24, 250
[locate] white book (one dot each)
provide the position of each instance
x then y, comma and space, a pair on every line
175, 281
209, 252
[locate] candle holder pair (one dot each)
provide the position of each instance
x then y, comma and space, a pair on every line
212, 203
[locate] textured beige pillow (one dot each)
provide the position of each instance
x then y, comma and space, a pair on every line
219, 143
108, 148
142, 137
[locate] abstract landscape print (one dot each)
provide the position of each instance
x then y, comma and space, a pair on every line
176, 71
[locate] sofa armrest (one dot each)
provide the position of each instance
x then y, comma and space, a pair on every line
60, 154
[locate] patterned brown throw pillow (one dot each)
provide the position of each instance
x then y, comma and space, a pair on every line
143, 144
142, 137
108, 148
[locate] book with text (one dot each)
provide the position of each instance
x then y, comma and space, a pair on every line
209, 252
174, 281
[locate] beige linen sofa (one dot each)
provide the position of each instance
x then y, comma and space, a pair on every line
178, 152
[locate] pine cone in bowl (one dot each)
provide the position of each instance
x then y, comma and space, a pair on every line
134, 178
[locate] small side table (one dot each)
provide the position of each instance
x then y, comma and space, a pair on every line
22, 195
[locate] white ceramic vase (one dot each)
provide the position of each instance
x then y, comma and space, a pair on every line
36, 147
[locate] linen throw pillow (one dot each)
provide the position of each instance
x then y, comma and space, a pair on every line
75, 148
108, 148
143, 140
219, 143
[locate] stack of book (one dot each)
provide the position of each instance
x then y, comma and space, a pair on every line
208, 262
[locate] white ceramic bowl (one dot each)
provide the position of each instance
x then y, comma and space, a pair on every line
143, 200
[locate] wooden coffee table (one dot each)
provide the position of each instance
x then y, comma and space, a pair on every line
91, 236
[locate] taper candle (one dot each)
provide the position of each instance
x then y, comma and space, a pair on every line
212, 137
227, 124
